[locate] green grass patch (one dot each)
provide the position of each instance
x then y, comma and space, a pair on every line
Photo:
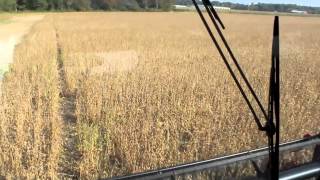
3, 69
5, 18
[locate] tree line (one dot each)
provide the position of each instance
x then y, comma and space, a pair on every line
283, 8
137, 5
268, 7
258, 6
82, 5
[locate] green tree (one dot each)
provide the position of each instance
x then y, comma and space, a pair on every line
81, 5
55, 4
37, 4
8, 5
115, 4
127, 5
68, 4
21, 5
58, 4
160, 4
165, 4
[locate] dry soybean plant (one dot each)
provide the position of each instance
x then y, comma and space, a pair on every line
150, 91
30, 125
170, 100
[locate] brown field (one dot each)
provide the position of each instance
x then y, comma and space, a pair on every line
102, 94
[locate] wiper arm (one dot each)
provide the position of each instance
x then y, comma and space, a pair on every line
273, 124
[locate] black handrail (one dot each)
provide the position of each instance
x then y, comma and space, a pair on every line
190, 168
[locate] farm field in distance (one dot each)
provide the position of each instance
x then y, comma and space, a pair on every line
95, 94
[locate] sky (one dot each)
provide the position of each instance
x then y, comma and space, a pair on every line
315, 3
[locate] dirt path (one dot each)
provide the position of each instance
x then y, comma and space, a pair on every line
71, 155
11, 34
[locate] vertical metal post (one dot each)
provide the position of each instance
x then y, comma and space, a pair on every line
273, 124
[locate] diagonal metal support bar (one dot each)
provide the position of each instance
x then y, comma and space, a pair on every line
273, 117
214, 15
234, 77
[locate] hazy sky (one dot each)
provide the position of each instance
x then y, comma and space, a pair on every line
299, 2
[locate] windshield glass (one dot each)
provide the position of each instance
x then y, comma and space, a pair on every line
102, 88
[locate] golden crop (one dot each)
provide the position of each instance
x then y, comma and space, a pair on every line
30, 130
147, 90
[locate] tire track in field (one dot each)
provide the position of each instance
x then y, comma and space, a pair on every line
71, 156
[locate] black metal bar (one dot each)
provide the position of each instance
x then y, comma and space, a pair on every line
228, 66
221, 161
212, 13
272, 127
277, 91
302, 172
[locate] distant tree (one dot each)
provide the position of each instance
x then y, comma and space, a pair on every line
55, 4
160, 4
81, 5
50, 5
99, 4
58, 4
184, 2
8, 5
30, 4
146, 4
141, 3
21, 5
115, 4
67, 4
136, 4
36, 4
165, 4
128, 5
